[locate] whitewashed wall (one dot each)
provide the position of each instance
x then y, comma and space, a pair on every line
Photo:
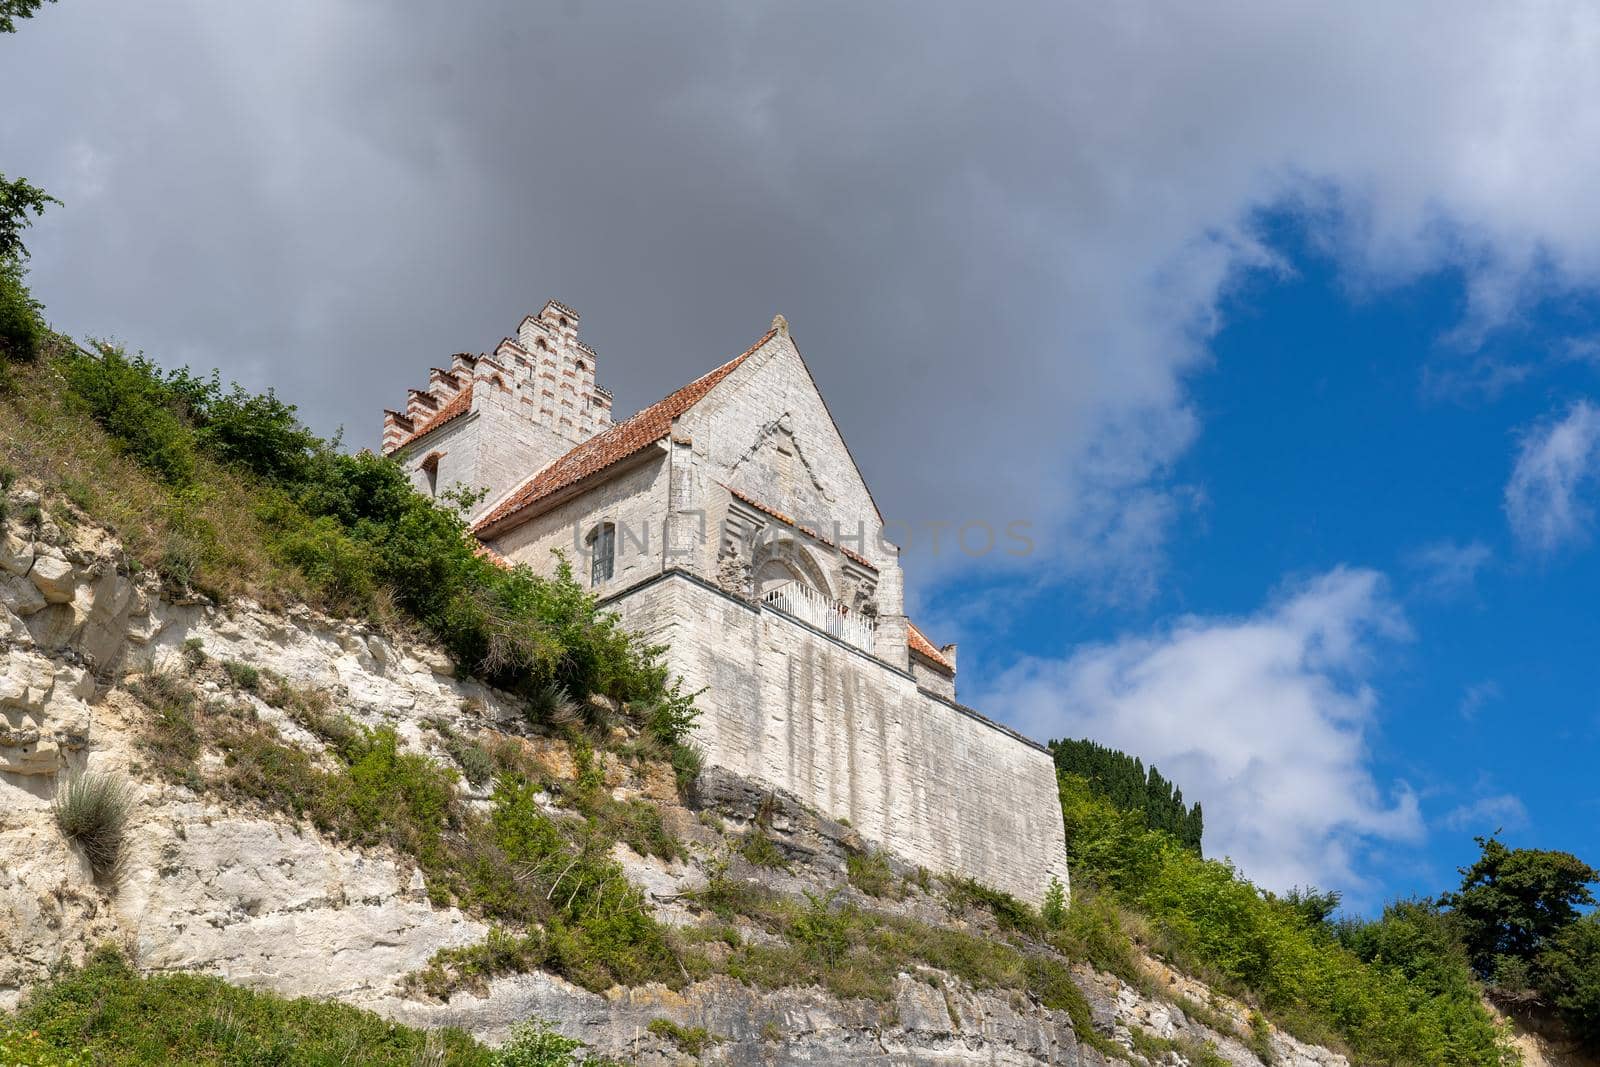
856, 739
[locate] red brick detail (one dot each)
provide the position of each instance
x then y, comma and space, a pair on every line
459, 405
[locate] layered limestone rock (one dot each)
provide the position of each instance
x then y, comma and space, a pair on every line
261, 900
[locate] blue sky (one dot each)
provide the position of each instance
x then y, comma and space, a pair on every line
1356, 432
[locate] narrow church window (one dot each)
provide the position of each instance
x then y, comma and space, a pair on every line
602, 553
430, 468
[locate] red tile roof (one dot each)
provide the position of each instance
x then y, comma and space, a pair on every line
781, 517
459, 405
919, 643
625, 439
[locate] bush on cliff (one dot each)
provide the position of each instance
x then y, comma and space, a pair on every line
1422, 1008
21, 327
105, 1013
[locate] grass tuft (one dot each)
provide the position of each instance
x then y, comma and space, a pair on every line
92, 809
870, 873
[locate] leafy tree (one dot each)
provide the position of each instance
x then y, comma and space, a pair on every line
1568, 975
1313, 904
11, 10
21, 326
1513, 901
18, 197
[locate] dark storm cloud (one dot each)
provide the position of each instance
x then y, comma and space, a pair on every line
1000, 241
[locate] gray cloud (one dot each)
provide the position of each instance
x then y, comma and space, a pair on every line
1003, 243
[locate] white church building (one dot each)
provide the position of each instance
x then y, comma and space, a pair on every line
728, 522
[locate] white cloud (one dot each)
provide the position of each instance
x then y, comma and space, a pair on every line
1447, 570
1488, 814
1556, 465
1476, 696
1264, 720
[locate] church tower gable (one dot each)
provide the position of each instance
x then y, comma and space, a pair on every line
487, 421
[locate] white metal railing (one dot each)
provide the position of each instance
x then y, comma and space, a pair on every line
832, 617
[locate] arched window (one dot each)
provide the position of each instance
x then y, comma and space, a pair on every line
774, 573
430, 468
602, 553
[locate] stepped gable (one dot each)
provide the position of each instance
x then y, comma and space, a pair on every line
459, 405
624, 439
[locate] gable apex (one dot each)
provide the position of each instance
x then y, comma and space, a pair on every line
780, 330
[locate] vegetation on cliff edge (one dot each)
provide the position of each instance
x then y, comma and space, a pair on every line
1417, 1002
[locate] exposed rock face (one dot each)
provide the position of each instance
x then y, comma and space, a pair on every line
260, 900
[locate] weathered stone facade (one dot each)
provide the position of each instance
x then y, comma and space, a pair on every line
729, 522
787, 705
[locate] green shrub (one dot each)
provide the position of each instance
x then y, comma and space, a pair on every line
1212, 922
128, 398
477, 766
1091, 930
28, 1047
1054, 910
1260, 1037
687, 761
761, 850
106, 1014
824, 927
1008, 911
21, 325
691, 1040
1158, 1049
636, 822
243, 675
533, 1043
92, 809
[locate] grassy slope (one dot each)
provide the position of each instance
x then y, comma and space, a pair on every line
105, 1014
214, 524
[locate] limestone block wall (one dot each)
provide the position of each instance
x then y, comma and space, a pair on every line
788, 706
634, 501
456, 445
